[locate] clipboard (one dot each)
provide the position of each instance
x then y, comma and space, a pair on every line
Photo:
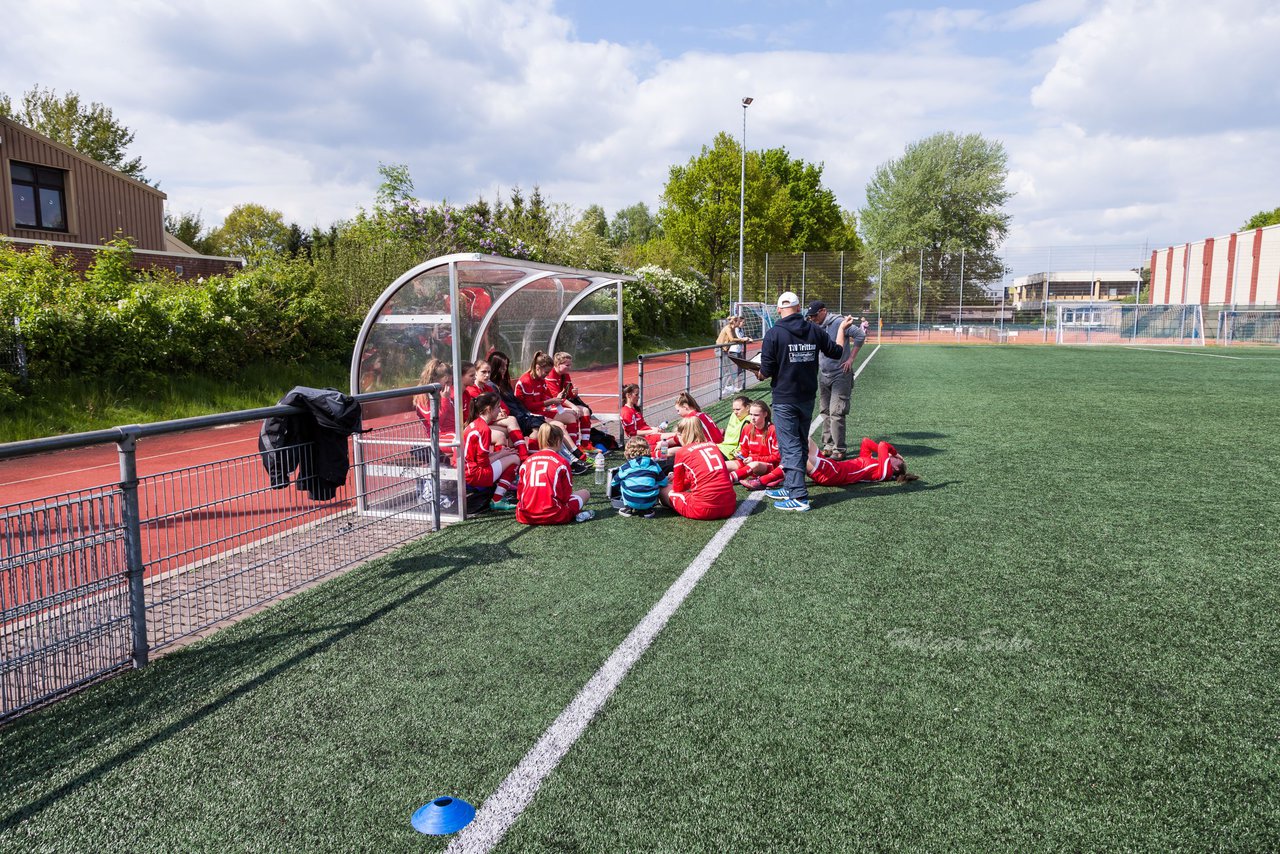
752, 365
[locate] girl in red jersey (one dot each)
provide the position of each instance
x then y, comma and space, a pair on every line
547, 496
507, 432
876, 461
700, 486
560, 384
758, 463
485, 466
438, 371
633, 423
531, 390
687, 407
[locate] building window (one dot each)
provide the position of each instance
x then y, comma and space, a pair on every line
39, 197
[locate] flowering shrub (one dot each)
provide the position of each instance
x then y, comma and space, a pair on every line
661, 302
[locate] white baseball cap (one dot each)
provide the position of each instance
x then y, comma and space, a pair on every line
788, 299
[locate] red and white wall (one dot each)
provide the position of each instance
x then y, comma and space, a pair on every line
1241, 268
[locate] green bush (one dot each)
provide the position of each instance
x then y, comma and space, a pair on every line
118, 321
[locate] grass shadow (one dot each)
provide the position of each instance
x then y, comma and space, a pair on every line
229, 666
839, 495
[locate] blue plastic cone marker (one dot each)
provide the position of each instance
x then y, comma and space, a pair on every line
443, 816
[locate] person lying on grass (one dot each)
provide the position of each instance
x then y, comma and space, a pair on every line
546, 493
876, 461
700, 486
758, 462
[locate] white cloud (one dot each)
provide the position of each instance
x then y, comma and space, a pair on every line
293, 105
1167, 67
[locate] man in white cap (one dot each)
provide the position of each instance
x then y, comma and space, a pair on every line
789, 359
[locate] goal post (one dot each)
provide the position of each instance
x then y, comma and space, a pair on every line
1249, 326
1121, 323
759, 317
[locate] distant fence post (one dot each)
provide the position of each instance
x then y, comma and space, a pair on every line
640, 376
126, 448
688, 369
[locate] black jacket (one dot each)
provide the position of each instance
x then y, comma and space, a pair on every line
789, 357
315, 443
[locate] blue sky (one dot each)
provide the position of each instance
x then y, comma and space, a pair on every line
1126, 121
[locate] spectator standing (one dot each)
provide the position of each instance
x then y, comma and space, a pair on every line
733, 344
835, 379
789, 360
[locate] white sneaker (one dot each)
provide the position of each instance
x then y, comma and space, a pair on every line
585, 515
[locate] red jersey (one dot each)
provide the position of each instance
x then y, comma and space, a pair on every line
477, 444
714, 434
632, 421
448, 416
700, 485
469, 394
532, 393
561, 382
546, 491
757, 447
875, 463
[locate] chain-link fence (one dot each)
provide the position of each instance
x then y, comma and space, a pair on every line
94, 581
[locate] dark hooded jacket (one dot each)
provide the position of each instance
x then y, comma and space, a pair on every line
314, 443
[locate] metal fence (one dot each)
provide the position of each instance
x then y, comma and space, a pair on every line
702, 371
94, 581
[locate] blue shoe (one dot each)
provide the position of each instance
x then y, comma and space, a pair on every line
792, 504
779, 494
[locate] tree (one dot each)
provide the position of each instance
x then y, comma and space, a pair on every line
633, 226
252, 232
1262, 219
944, 195
189, 228
815, 217
90, 129
700, 206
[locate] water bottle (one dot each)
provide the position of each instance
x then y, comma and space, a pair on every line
600, 468
662, 449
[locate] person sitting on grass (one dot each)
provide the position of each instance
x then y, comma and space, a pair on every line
547, 496
629, 412
758, 463
639, 479
485, 466
876, 461
733, 427
700, 486
687, 407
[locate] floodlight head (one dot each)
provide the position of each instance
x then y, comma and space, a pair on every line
746, 102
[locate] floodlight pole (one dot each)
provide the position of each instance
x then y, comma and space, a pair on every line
742, 195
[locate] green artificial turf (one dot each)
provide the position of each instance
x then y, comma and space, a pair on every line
1064, 637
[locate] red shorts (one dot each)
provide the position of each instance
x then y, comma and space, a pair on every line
687, 507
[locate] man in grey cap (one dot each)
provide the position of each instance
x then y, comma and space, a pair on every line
835, 380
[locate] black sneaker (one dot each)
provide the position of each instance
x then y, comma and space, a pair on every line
648, 514
626, 511
580, 467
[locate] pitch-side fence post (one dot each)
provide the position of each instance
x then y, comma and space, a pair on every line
126, 449
688, 370
435, 461
640, 376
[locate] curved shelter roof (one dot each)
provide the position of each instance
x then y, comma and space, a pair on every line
459, 307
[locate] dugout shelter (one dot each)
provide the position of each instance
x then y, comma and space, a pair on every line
458, 308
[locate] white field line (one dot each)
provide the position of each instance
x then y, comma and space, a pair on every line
501, 809
1191, 353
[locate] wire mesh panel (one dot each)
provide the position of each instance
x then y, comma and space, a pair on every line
64, 604
1250, 326
702, 371
218, 540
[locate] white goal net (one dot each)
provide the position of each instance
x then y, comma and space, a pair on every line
1118, 323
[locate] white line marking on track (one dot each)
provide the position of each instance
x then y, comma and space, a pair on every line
501, 809
114, 465
1191, 353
